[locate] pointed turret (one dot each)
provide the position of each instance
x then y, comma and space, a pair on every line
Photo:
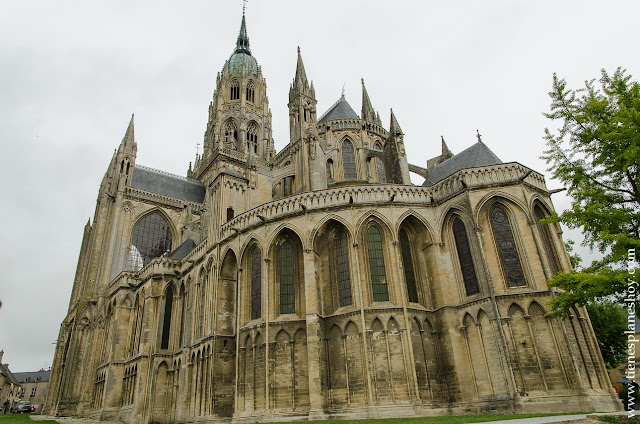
368, 113
446, 153
301, 75
394, 127
242, 45
128, 144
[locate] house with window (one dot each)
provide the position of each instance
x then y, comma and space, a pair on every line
317, 281
34, 387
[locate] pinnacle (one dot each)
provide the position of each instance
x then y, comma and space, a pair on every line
128, 142
301, 75
242, 45
394, 127
368, 114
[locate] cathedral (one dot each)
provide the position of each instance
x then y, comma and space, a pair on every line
318, 282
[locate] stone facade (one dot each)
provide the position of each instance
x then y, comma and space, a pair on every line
317, 281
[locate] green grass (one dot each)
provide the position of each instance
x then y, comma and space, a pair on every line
450, 419
21, 419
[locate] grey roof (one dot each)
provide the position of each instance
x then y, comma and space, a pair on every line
167, 184
340, 110
477, 155
40, 375
4, 370
233, 173
183, 250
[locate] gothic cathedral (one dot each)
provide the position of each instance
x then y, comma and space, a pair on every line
318, 281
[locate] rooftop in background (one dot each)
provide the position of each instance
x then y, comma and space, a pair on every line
475, 156
33, 376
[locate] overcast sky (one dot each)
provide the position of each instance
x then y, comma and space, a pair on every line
73, 72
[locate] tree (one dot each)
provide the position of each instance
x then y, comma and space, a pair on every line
609, 322
595, 153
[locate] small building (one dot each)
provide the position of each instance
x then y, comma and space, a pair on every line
33, 387
9, 385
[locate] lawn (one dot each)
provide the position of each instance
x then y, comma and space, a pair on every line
21, 419
455, 419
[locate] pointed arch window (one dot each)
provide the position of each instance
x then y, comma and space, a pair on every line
183, 312
329, 170
151, 238
463, 248
380, 166
407, 264
256, 283
547, 243
507, 247
341, 255
251, 92
203, 298
286, 277
252, 138
348, 161
235, 90
166, 323
376, 265
230, 134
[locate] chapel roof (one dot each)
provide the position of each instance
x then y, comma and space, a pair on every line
476, 155
340, 110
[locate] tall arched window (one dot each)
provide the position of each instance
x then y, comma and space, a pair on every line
230, 134
203, 298
166, 323
376, 265
507, 248
286, 277
348, 161
183, 312
235, 90
329, 170
380, 166
252, 138
464, 256
547, 242
151, 238
407, 264
251, 92
341, 255
256, 283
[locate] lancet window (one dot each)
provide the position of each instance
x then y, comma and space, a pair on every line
547, 243
407, 264
256, 283
507, 247
203, 298
235, 90
348, 161
380, 166
252, 138
286, 277
230, 134
376, 265
166, 323
251, 92
341, 257
464, 256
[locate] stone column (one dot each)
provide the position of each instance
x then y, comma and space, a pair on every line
314, 334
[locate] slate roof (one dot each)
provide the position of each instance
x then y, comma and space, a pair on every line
40, 375
477, 155
160, 182
183, 250
340, 110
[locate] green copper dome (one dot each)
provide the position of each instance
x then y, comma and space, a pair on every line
241, 60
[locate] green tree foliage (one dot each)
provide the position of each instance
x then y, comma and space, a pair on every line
595, 153
609, 321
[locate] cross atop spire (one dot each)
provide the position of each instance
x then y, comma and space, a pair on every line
479, 136
242, 45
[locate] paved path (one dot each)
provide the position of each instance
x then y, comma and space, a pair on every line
553, 418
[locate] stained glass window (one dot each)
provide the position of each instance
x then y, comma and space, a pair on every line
348, 161
256, 284
166, 323
376, 265
342, 266
507, 248
407, 264
464, 256
151, 238
286, 276
545, 235
380, 170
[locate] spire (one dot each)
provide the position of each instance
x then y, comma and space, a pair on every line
394, 127
368, 114
301, 75
128, 144
242, 45
445, 148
